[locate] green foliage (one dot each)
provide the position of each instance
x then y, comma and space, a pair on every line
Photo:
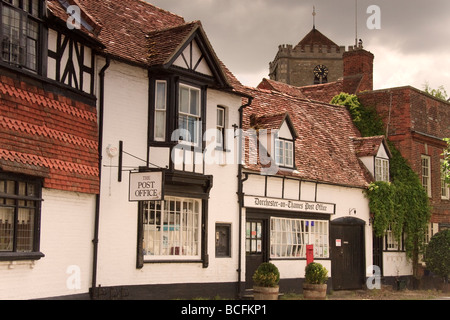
267, 275
437, 254
446, 163
365, 119
315, 273
439, 93
402, 204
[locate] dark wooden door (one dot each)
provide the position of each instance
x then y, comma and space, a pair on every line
347, 256
254, 248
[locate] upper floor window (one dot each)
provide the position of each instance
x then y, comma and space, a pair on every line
220, 139
426, 174
20, 33
160, 110
189, 122
20, 201
444, 185
284, 153
381, 169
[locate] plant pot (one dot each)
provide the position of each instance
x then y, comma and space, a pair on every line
265, 293
314, 291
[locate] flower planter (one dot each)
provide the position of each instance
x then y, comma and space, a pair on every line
314, 291
265, 293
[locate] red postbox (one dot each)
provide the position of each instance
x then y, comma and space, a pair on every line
309, 253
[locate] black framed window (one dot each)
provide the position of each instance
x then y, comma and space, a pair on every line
20, 203
19, 33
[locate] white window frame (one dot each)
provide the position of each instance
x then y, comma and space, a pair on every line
188, 116
391, 244
220, 126
160, 109
289, 237
284, 153
381, 169
445, 188
172, 229
426, 173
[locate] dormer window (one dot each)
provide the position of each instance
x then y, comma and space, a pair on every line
20, 33
284, 153
381, 169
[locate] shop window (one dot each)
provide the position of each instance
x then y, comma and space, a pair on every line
289, 237
172, 229
20, 33
20, 201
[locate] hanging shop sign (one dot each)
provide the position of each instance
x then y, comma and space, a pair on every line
288, 205
146, 186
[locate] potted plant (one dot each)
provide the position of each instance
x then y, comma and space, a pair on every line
266, 279
315, 287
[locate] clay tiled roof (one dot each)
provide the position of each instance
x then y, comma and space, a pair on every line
369, 146
48, 135
318, 92
324, 149
136, 31
125, 24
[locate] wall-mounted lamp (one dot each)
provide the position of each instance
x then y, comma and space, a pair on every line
352, 211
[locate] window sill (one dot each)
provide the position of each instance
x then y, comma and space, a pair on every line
172, 261
15, 256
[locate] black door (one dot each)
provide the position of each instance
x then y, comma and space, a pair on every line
254, 248
347, 255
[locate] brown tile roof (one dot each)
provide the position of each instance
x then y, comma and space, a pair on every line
48, 135
137, 31
318, 92
324, 149
369, 146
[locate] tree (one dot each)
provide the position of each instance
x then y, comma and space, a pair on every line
437, 254
439, 93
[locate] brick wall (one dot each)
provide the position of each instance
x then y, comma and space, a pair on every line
416, 122
47, 134
358, 70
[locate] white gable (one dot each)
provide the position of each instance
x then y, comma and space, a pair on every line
382, 153
192, 59
285, 132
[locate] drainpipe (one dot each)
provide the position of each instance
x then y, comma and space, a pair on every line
97, 198
240, 192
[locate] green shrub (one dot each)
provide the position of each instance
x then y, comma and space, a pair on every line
267, 275
437, 254
315, 273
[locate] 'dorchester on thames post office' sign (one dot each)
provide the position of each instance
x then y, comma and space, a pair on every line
288, 205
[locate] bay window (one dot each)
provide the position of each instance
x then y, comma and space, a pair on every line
172, 229
289, 237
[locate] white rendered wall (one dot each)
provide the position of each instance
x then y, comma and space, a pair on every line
126, 119
67, 221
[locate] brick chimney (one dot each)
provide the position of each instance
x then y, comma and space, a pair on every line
358, 70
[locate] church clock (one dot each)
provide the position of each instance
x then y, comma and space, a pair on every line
320, 74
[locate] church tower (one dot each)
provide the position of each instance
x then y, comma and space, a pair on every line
314, 60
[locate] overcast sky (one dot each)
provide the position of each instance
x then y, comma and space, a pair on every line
411, 47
